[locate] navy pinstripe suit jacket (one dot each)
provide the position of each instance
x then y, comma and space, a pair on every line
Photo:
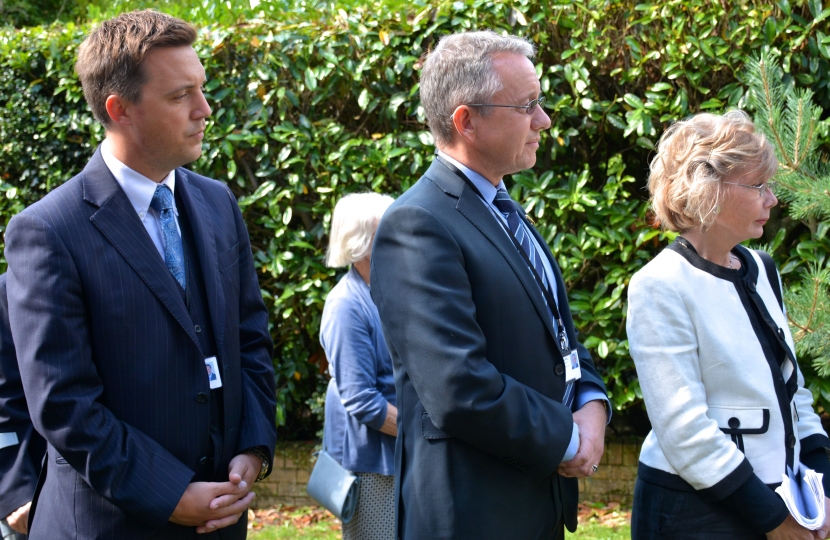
19, 463
110, 360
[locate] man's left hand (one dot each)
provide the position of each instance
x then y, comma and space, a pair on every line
591, 422
19, 519
242, 471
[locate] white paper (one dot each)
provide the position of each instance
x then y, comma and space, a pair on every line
804, 496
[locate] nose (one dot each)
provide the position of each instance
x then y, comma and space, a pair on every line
770, 199
540, 119
201, 109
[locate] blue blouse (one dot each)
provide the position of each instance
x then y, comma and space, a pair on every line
362, 381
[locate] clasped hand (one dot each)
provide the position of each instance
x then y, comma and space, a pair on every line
591, 422
214, 505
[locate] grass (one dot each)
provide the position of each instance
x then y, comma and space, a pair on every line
314, 524
324, 531
319, 531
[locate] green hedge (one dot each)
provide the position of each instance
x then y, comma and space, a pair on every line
307, 110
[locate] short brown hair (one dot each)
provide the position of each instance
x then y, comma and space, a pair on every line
109, 59
694, 156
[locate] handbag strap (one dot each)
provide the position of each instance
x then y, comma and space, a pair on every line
772, 276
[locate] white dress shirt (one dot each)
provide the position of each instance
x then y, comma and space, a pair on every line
140, 190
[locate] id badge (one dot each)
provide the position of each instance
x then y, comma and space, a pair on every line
572, 369
213, 375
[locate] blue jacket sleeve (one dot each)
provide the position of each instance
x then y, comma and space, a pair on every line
19, 461
345, 334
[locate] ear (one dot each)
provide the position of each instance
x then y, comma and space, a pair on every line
117, 109
465, 122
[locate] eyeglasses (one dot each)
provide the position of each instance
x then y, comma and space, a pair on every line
530, 108
762, 188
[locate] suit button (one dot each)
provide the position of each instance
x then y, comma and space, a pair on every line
791, 441
751, 287
197, 328
781, 333
214, 429
202, 460
734, 423
201, 397
559, 369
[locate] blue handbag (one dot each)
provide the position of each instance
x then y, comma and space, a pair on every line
333, 487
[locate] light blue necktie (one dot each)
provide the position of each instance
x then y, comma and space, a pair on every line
173, 253
510, 210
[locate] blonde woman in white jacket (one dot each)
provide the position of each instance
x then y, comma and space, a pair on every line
712, 348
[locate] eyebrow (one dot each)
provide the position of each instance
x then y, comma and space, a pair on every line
187, 86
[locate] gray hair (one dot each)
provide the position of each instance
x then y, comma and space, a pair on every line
460, 71
353, 226
693, 158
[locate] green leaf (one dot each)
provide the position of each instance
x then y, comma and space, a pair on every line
363, 99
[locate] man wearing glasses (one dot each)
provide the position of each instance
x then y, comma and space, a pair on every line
500, 409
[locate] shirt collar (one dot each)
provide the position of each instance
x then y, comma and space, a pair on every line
138, 188
484, 186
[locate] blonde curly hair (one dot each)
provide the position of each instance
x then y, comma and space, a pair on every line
694, 156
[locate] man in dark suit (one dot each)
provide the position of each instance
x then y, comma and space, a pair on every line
476, 317
21, 447
123, 283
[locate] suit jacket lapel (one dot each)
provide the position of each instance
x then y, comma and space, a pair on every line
119, 224
475, 210
198, 215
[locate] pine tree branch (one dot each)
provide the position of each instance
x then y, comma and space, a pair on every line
798, 116
802, 330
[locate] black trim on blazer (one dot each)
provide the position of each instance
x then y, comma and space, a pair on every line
750, 431
819, 440
719, 491
745, 280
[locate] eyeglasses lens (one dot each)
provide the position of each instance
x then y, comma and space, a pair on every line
531, 107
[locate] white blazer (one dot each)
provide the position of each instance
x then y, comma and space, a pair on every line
713, 388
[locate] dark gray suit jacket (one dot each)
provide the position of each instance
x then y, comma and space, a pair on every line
479, 387
111, 362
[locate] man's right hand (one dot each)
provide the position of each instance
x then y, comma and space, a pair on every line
194, 508
19, 519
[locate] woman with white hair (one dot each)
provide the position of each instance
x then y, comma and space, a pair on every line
713, 351
361, 418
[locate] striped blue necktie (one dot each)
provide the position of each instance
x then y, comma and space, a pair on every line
173, 252
510, 210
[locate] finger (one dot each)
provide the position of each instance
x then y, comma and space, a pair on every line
229, 515
239, 468
239, 506
215, 524
226, 500
577, 461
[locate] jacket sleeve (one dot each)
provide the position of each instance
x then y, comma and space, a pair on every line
259, 411
47, 305
427, 309
345, 335
18, 470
